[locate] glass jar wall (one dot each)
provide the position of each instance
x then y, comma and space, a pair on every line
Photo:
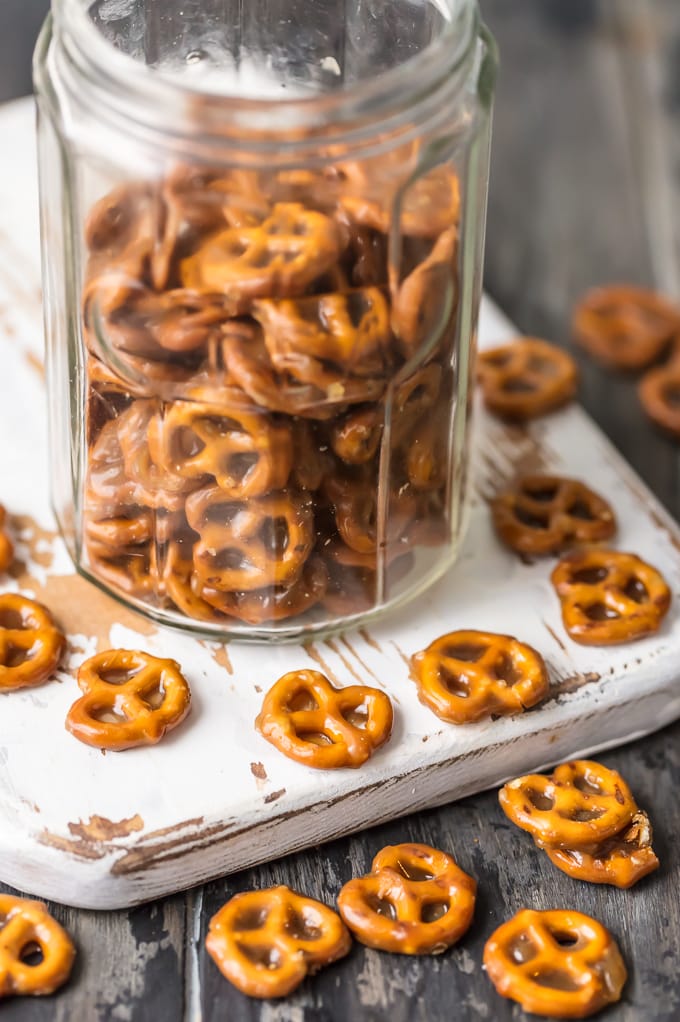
262, 235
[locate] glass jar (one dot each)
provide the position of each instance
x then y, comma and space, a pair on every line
263, 233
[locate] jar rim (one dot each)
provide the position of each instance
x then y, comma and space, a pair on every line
140, 93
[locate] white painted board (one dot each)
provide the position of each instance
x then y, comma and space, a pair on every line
106, 831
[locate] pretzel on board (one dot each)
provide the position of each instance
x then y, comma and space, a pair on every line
129, 699
625, 327
526, 379
468, 675
609, 597
31, 643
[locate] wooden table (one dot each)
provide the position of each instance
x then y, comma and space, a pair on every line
585, 190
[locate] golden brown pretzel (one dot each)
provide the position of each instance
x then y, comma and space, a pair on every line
415, 901
154, 485
266, 942
279, 257
246, 452
526, 379
246, 545
129, 699
544, 514
273, 602
468, 675
248, 363
31, 644
115, 535
625, 327
355, 503
311, 721
561, 963
134, 571
659, 392
177, 585
580, 805
621, 860
355, 437
609, 597
428, 206
427, 450
6, 548
25, 927
413, 398
350, 331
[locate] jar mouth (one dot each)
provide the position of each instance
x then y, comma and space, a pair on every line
180, 103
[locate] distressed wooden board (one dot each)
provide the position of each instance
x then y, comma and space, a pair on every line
105, 831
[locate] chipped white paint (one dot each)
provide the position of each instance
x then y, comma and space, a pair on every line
205, 811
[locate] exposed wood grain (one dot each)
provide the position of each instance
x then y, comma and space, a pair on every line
586, 188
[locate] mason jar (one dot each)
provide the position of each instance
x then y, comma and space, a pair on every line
262, 231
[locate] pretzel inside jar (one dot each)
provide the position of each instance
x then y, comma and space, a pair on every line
261, 369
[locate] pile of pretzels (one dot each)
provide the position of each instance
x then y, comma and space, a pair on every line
270, 385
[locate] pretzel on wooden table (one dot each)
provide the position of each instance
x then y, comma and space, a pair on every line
415, 901
266, 942
559, 963
26, 927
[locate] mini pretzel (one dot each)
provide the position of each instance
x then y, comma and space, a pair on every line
31, 644
350, 331
526, 379
311, 721
6, 548
468, 675
129, 699
625, 327
176, 581
545, 514
247, 453
429, 205
134, 571
266, 942
580, 805
427, 453
423, 302
415, 901
356, 437
27, 927
247, 545
620, 861
273, 602
111, 535
659, 392
609, 597
153, 486
561, 964
357, 513
280, 257
248, 363
179, 321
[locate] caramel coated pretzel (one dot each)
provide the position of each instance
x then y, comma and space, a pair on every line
659, 392
31, 644
27, 926
273, 602
467, 675
6, 548
625, 327
545, 514
280, 257
609, 597
620, 861
129, 699
526, 379
266, 942
427, 451
356, 437
561, 964
311, 721
246, 545
580, 805
415, 901
350, 331
248, 454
